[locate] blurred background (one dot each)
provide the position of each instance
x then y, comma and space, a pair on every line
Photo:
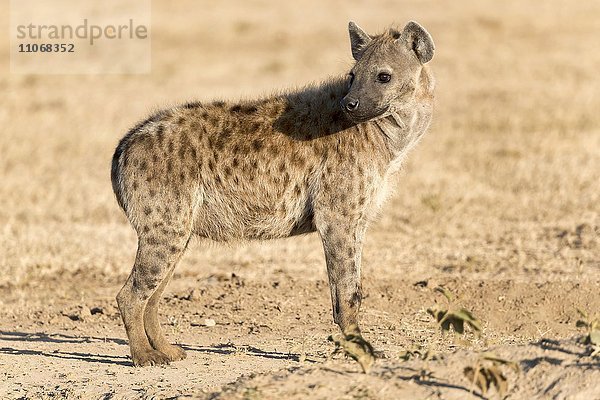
504, 184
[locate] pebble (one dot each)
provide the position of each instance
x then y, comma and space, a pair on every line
209, 322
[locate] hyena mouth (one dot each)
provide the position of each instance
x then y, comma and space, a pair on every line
389, 110
378, 114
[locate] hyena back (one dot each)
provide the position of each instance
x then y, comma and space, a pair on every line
317, 159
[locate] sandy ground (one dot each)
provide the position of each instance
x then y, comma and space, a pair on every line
268, 344
499, 204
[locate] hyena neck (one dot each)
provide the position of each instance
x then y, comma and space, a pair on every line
314, 111
395, 128
401, 130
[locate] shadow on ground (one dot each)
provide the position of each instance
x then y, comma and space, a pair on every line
59, 338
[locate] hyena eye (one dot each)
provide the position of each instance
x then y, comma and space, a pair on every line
384, 77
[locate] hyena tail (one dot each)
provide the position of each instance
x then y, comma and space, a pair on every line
116, 171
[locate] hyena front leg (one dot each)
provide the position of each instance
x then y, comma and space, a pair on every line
156, 257
342, 243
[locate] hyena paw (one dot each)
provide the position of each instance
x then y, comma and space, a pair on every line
173, 352
150, 357
356, 347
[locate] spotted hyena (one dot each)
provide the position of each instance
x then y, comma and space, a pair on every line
316, 159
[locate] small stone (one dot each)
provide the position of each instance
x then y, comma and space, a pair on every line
84, 312
209, 322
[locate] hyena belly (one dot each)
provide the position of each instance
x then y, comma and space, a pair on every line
252, 193
178, 167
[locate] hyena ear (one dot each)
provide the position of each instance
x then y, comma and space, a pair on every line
418, 40
359, 39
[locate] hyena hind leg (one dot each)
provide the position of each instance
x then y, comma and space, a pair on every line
154, 263
155, 334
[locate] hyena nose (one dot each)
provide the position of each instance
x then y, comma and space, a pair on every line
351, 104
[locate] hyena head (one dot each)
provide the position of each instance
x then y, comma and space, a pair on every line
386, 72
